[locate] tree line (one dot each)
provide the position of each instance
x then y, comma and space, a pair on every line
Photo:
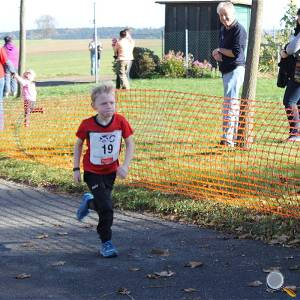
85, 33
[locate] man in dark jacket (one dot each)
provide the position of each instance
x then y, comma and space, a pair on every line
231, 59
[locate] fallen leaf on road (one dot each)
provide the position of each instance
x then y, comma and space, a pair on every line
271, 269
156, 275
23, 276
42, 236
152, 276
124, 291
28, 245
58, 263
161, 252
62, 233
289, 257
245, 236
58, 225
194, 264
87, 226
134, 269
190, 290
164, 273
255, 283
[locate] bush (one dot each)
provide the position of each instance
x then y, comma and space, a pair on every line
268, 58
202, 69
173, 65
146, 63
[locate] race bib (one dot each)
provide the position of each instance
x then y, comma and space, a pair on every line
105, 147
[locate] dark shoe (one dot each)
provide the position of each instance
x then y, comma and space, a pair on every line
294, 136
226, 144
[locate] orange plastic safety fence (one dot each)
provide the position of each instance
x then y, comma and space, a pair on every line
178, 149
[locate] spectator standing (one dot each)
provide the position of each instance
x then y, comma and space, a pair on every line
129, 36
10, 86
95, 50
291, 99
4, 63
231, 59
123, 50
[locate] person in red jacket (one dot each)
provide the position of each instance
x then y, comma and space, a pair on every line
3, 62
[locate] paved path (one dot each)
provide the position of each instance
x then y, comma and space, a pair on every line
27, 215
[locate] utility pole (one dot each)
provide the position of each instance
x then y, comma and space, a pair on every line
22, 41
96, 43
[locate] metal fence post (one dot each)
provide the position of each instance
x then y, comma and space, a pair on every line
162, 44
96, 43
186, 49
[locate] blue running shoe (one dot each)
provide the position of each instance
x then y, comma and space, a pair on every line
83, 209
108, 250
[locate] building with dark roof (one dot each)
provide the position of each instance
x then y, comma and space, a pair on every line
200, 19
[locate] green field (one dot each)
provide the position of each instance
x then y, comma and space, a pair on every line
269, 161
70, 58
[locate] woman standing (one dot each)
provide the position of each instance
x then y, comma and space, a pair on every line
291, 99
11, 86
3, 61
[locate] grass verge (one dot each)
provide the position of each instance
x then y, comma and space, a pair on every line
240, 222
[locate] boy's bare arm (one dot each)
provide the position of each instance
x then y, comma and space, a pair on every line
122, 171
76, 159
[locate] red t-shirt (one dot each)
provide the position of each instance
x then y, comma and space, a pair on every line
3, 60
103, 143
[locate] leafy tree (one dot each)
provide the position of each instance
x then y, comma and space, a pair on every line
46, 24
22, 40
289, 20
271, 44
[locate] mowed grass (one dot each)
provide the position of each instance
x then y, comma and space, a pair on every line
176, 135
67, 59
71, 58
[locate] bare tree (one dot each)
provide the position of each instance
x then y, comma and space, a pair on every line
249, 87
46, 24
22, 40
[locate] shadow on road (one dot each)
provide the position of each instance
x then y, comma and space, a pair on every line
59, 83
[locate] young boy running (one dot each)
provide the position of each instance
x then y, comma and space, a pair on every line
103, 133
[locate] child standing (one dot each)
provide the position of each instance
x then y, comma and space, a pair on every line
103, 133
28, 94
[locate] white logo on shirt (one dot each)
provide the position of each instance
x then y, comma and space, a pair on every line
105, 147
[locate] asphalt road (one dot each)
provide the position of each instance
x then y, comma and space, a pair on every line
40, 237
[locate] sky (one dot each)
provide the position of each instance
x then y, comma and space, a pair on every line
109, 13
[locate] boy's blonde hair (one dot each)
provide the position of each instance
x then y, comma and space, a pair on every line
104, 88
